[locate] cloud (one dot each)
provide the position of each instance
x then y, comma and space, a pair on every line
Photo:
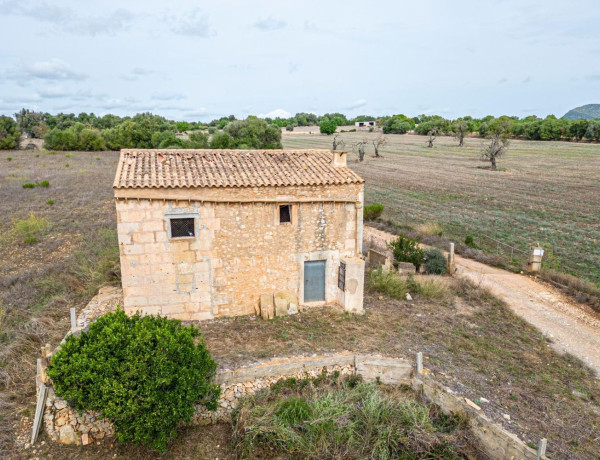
168, 96
310, 26
52, 70
356, 104
595, 77
293, 67
503, 80
194, 24
136, 73
277, 113
270, 23
66, 19
527, 79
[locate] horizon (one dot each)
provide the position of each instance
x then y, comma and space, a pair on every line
198, 63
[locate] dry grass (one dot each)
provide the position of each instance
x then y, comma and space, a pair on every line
474, 344
40, 282
545, 191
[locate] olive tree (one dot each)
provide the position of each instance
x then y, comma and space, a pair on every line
496, 148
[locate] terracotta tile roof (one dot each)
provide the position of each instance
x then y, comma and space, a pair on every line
229, 168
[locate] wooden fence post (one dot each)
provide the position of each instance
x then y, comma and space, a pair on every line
73, 320
541, 452
39, 413
419, 363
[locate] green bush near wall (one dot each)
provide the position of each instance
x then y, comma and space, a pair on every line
144, 374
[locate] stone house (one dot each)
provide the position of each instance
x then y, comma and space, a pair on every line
206, 233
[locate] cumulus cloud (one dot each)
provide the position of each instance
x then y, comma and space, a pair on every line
357, 104
194, 24
66, 19
270, 23
168, 96
53, 70
277, 113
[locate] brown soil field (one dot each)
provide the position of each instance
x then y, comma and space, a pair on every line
544, 192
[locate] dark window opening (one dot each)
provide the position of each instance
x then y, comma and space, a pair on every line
342, 276
285, 214
182, 227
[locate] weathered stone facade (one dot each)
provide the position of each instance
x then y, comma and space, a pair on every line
240, 250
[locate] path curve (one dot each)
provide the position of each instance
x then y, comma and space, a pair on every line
573, 327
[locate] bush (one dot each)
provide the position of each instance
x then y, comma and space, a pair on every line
327, 127
435, 261
407, 249
9, 133
28, 185
50, 202
144, 374
44, 184
470, 242
289, 127
372, 211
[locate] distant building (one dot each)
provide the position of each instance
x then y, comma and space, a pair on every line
206, 233
364, 124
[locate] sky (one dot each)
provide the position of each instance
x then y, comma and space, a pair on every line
199, 60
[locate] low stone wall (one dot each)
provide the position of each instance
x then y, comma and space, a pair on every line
65, 425
497, 442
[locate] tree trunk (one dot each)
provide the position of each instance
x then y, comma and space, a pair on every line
493, 160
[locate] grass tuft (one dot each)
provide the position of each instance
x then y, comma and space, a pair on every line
331, 418
394, 286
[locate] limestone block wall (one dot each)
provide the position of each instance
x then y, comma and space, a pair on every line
240, 250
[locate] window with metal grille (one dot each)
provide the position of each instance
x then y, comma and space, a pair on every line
342, 276
182, 227
285, 214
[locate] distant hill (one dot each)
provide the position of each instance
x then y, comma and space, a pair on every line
588, 112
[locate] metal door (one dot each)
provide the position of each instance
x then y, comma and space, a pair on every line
314, 281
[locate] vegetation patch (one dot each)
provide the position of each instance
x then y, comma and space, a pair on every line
329, 417
372, 211
142, 373
407, 249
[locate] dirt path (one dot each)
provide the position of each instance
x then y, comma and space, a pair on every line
572, 327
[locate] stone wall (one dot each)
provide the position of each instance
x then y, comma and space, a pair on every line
240, 251
66, 426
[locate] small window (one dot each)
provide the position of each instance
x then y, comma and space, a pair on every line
285, 214
182, 227
342, 276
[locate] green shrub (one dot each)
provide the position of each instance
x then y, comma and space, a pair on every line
435, 261
29, 185
30, 240
372, 211
470, 242
407, 249
9, 159
327, 127
50, 202
67, 165
44, 184
143, 373
293, 410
